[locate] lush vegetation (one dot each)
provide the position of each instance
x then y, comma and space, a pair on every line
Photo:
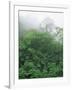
40, 55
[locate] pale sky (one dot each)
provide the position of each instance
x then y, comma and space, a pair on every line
33, 19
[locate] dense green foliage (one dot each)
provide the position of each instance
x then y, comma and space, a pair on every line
40, 55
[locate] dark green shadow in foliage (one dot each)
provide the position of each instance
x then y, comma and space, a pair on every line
40, 55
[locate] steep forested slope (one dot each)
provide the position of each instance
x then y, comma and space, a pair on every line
40, 55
